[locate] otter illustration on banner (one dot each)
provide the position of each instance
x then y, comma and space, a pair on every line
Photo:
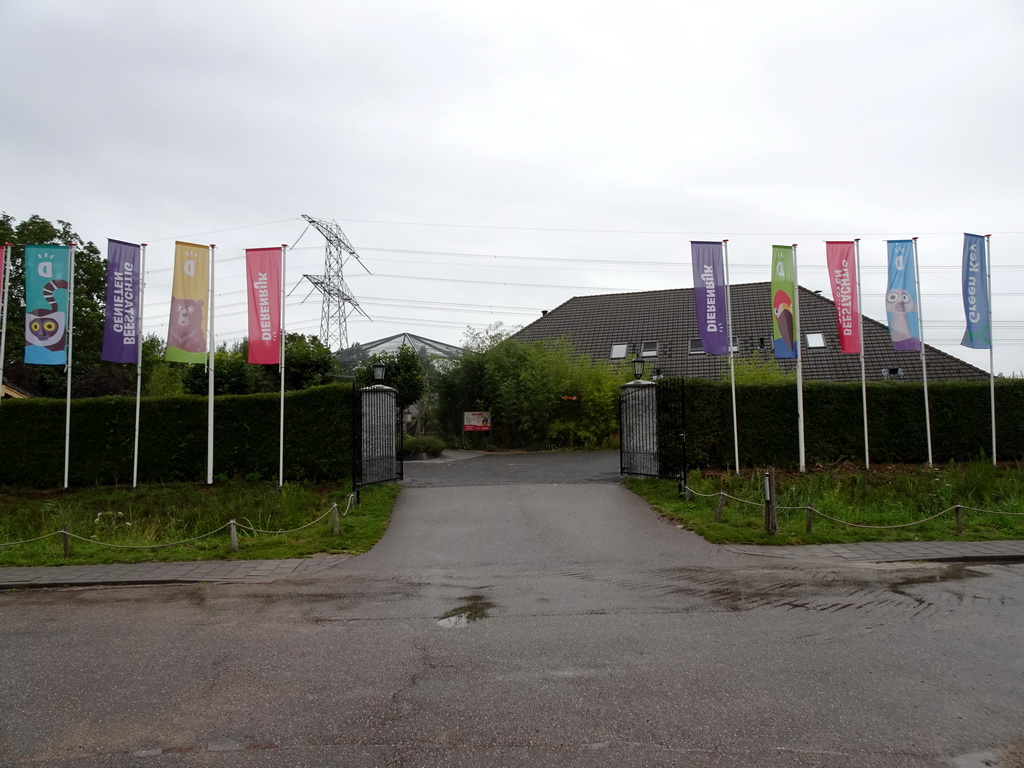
186, 332
901, 297
47, 272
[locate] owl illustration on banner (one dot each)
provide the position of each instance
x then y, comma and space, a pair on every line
45, 327
186, 331
783, 304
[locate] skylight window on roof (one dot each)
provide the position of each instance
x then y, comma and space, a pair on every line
649, 349
815, 340
696, 347
618, 351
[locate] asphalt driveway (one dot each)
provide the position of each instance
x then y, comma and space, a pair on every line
471, 468
515, 623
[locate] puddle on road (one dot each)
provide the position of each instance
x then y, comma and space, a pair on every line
952, 572
473, 608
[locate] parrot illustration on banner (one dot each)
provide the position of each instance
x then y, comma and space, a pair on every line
783, 305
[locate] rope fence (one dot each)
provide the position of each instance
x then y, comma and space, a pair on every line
771, 510
231, 525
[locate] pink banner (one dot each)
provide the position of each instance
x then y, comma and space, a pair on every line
842, 270
263, 272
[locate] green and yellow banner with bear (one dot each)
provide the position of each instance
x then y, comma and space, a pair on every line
190, 295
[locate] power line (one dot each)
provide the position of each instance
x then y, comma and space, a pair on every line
218, 231
691, 233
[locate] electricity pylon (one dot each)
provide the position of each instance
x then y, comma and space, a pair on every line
339, 303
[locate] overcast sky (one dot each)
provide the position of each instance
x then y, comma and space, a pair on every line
490, 160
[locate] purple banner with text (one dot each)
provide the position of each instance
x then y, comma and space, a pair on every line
709, 296
124, 292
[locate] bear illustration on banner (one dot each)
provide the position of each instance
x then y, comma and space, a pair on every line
45, 327
186, 332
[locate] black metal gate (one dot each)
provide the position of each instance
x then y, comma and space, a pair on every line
638, 429
377, 431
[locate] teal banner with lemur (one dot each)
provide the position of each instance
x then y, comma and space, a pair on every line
47, 275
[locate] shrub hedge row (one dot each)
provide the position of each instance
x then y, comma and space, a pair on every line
834, 422
172, 438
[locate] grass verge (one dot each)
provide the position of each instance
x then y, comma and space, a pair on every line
170, 512
892, 495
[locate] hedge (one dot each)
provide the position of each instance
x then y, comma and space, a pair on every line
834, 423
172, 438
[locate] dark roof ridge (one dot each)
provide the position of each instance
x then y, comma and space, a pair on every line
658, 290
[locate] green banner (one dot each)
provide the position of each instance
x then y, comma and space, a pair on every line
784, 319
190, 293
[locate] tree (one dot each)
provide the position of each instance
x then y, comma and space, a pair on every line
403, 370
90, 376
759, 369
539, 395
308, 363
481, 341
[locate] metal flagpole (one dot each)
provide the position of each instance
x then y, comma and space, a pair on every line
863, 372
280, 475
924, 365
799, 364
67, 399
991, 348
138, 369
209, 372
732, 363
6, 278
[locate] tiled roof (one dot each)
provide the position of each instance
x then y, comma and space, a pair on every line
9, 390
594, 323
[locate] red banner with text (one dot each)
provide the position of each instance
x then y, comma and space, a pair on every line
263, 276
842, 273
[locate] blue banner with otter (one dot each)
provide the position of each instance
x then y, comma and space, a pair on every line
976, 307
901, 297
47, 274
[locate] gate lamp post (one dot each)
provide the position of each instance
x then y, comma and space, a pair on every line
638, 367
378, 372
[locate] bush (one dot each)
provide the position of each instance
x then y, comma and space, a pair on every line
833, 422
172, 439
432, 446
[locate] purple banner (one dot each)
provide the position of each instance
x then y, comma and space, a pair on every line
124, 298
709, 297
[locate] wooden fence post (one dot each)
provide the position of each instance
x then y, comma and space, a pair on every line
234, 537
771, 519
66, 540
721, 506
